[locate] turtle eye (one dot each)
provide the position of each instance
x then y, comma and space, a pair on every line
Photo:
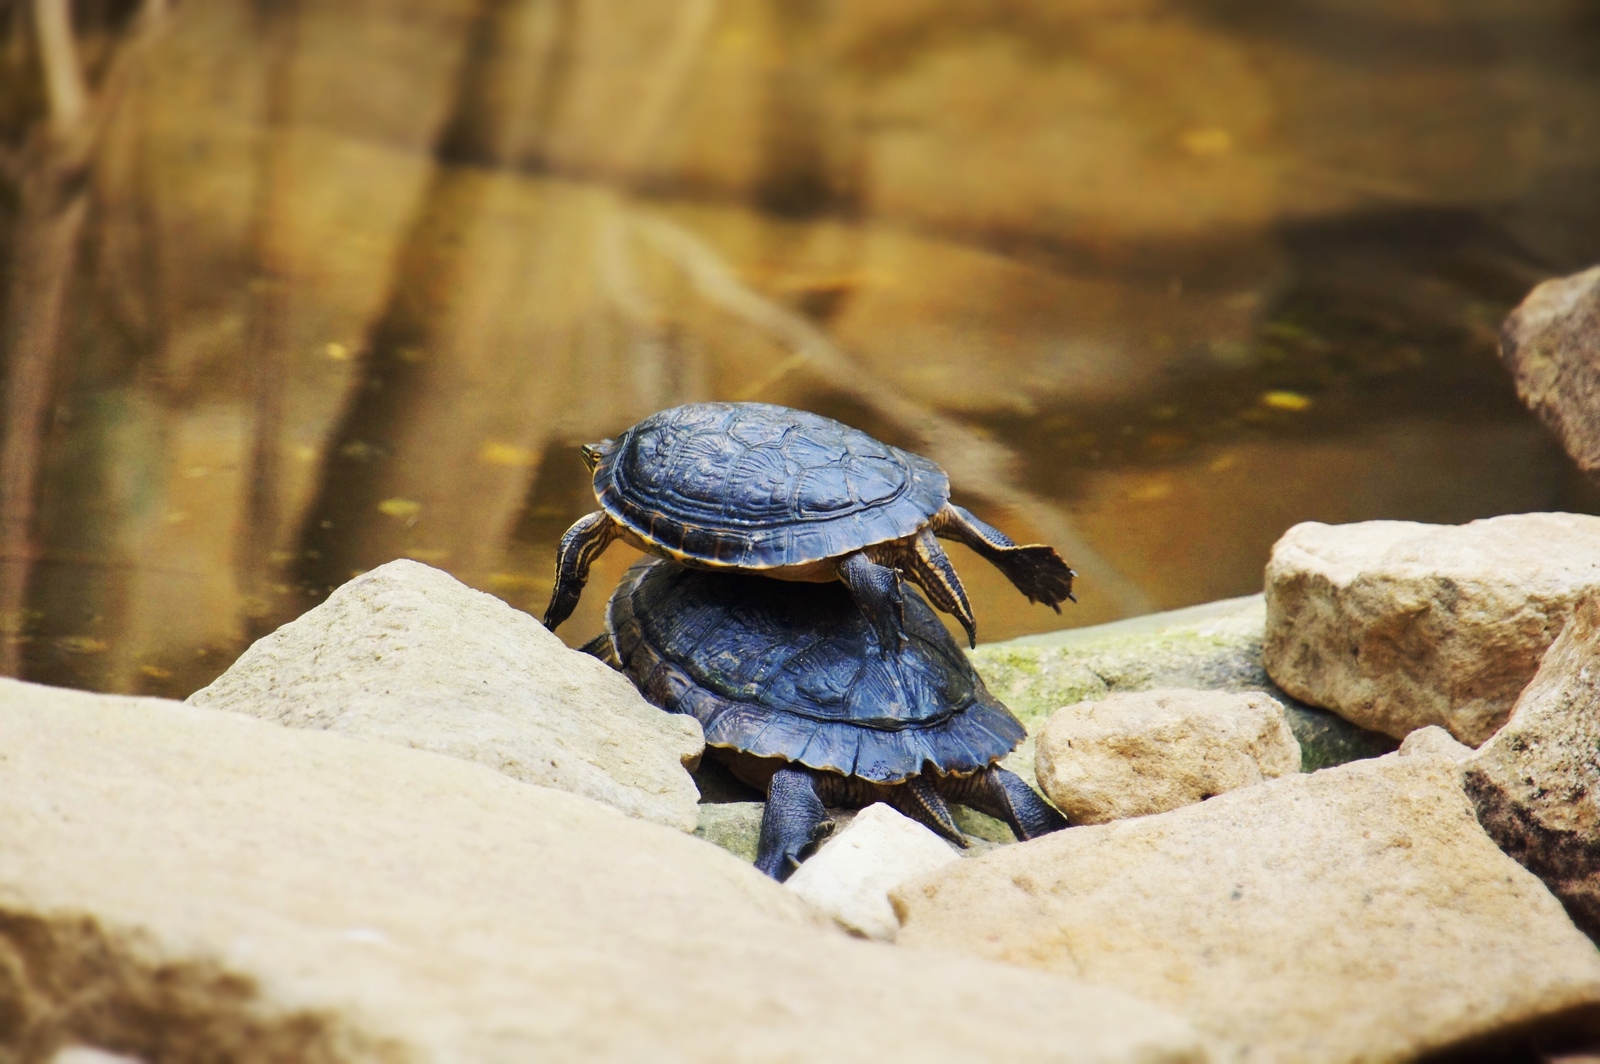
593, 452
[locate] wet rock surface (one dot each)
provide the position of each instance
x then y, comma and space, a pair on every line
850, 876
185, 885
408, 654
1139, 753
1536, 784
1215, 647
1551, 345
1269, 916
1397, 625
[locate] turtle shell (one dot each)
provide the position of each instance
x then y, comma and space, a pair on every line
757, 486
792, 671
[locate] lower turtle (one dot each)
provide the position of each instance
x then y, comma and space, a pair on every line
791, 495
789, 684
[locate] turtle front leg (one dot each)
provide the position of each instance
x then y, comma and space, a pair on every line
926, 563
1003, 794
580, 546
1036, 570
793, 820
876, 589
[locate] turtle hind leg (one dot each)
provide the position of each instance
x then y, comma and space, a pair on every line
580, 546
1003, 794
918, 799
1035, 570
926, 563
793, 820
876, 589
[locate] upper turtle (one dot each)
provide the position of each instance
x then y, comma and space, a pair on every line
793, 671
757, 486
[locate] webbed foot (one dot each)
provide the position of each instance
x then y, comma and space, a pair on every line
1036, 570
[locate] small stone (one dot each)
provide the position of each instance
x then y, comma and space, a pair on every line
1396, 625
1537, 782
850, 877
1213, 647
410, 655
1357, 913
187, 885
1551, 345
1434, 741
1140, 753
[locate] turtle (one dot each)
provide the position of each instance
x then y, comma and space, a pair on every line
796, 496
786, 681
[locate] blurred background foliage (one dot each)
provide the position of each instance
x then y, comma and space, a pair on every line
295, 287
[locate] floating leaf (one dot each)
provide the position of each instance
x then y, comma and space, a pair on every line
1285, 401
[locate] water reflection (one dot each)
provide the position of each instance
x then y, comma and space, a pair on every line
336, 285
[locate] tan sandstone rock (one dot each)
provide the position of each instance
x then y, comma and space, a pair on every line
1434, 741
1150, 751
1397, 625
183, 885
408, 654
1537, 782
850, 877
1551, 345
1353, 914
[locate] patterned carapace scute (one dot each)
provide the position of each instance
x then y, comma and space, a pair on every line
751, 485
792, 671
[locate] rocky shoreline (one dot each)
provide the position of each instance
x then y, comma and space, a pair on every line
502, 852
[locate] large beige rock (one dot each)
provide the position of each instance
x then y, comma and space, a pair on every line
408, 654
184, 885
1396, 625
1537, 782
850, 877
1357, 913
1551, 345
1147, 752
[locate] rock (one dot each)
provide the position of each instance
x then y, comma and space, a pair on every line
1537, 782
1357, 913
1147, 752
1551, 345
1214, 647
1396, 625
850, 877
186, 885
1434, 741
407, 654
735, 826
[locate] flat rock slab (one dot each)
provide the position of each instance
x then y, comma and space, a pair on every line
1139, 753
1551, 345
1396, 625
183, 885
1214, 647
410, 655
1353, 914
850, 877
1537, 782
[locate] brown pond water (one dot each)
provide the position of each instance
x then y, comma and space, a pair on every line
303, 286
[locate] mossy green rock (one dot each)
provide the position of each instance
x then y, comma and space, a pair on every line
1214, 647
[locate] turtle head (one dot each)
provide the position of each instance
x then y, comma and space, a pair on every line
593, 452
